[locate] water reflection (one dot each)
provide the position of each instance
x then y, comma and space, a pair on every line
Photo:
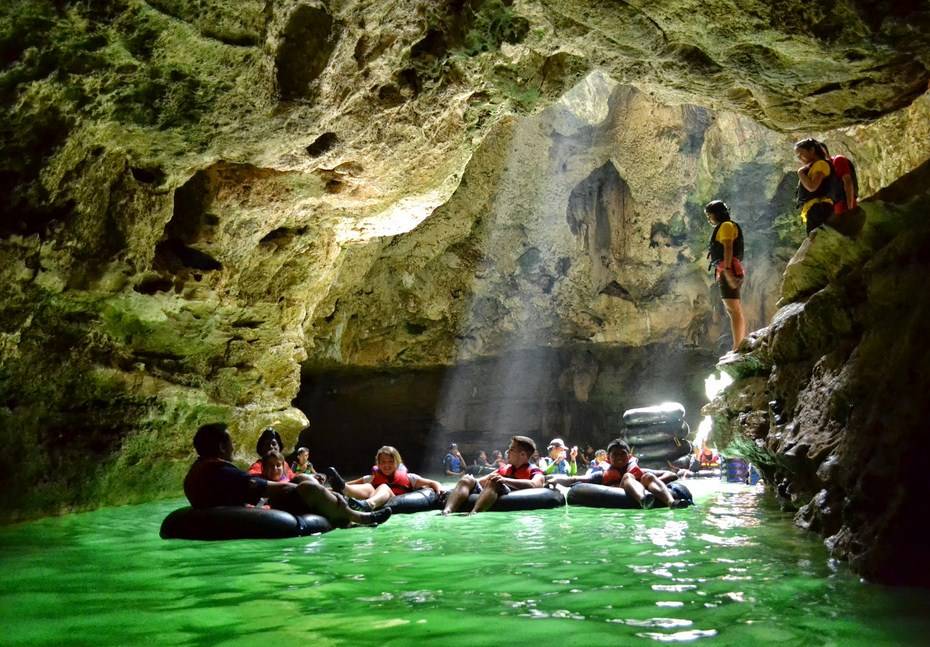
615, 575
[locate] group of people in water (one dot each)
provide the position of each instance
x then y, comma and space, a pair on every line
560, 459
827, 189
298, 488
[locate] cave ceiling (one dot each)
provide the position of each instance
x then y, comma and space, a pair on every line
238, 160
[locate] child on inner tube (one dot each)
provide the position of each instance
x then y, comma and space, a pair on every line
389, 477
269, 441
645, 487
518, 474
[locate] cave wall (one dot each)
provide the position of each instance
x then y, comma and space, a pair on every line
831, 396
581, 224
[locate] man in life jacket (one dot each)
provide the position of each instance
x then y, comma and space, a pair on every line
517, 474
454, 463
725, 252
814, 193
213, 480
643, 486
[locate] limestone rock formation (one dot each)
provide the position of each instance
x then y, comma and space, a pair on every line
831, 395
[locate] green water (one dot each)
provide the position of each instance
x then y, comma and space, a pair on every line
733, 570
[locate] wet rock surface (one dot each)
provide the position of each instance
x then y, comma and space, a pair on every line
840, 419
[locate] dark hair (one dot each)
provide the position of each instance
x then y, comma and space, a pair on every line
718, 209
525, 442
811, 144
272, 455
268, 434
618, 443
208, 439
301, 449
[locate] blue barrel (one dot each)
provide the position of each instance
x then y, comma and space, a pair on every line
735, 470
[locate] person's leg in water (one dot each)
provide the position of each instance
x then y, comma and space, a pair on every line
489, 497
659, 489
635, 489
737, 321
379, 496
325, 503
458, 495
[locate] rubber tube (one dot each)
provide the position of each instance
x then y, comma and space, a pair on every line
662, 451
528, 499
416, 501
591, 495
239, 522
646, 435
661, 413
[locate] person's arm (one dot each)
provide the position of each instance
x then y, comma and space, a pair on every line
809, 179
364, 479
274, 488
561, 479
573, 462
418, 483
665, 476
850, 192
538, 480
486, 479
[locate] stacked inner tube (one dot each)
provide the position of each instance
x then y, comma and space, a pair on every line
657, 434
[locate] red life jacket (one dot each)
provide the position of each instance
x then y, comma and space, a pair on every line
613, 476
399, 481
525, 473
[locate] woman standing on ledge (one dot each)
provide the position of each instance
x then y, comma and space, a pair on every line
726, 254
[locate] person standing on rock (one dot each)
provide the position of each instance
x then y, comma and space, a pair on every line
726, 254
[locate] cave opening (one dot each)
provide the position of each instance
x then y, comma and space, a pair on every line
578, 393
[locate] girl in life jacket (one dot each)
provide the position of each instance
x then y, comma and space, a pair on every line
389, 477
814, 195
643, 486
725, 252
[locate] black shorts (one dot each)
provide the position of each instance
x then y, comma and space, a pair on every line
818, 214
290, 501
501, 489
726, 292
